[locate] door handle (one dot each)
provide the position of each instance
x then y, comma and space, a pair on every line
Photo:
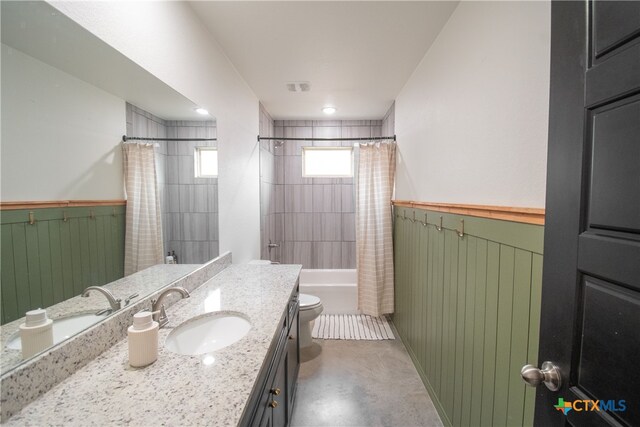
549, 375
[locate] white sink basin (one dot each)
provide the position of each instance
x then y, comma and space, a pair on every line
207, 333
63, 328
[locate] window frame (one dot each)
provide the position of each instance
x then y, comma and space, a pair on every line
198, 161
351, 163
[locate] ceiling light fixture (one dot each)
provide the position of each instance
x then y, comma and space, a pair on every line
202, 111
329, 110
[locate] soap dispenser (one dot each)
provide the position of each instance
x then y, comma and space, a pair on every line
143, 340
36, 333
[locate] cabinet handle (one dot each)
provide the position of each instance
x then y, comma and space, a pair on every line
273, 404
275, 391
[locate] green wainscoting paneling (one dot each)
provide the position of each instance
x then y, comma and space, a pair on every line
55, 259
468, 309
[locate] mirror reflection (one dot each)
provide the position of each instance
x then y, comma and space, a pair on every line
77, 313
80, 207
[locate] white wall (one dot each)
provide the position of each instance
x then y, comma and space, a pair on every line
168, 40
472, 119
60, 135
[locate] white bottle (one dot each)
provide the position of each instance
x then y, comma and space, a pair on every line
143, 340
36, 333
169, 259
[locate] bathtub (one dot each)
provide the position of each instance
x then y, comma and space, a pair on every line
336, 288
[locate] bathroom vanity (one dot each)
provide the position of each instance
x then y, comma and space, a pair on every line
271, 402
250, 382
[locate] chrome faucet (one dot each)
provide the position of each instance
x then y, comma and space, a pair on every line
113, 302
157, 306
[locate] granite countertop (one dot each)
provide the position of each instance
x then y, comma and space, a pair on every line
143, 283
208, 389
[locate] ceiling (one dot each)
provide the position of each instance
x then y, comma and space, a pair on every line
357, 55
40, 31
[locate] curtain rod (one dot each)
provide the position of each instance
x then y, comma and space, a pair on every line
126, 138
373, 138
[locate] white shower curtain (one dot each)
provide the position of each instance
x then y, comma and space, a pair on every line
143, 232
374, 242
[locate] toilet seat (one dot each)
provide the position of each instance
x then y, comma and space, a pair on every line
310, 309
309, 302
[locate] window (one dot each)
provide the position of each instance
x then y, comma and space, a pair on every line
206, 162
327, 162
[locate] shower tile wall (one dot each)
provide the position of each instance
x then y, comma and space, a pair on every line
189, 205
144, 124
314, 217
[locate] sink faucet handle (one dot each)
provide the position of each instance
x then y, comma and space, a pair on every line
129, 298
158, 307
162, 318
159, 313
103, 312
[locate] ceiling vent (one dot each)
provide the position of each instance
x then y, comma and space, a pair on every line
298, 86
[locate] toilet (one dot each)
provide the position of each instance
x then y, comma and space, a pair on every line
310, 309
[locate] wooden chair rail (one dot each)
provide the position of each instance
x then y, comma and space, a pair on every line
6, 206
504, 213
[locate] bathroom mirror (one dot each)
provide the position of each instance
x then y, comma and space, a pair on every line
67, 100
78, 313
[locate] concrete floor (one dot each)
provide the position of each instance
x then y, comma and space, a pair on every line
361, 383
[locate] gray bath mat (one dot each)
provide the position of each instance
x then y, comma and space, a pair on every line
351, 327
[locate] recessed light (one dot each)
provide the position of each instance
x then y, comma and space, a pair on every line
329, 110
201, 111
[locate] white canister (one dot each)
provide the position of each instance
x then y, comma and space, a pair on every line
143, 340
36, 333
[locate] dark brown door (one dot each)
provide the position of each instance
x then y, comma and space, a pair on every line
590, 323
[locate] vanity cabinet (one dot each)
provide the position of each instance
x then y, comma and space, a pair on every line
271, 403
293, 361
278, 400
